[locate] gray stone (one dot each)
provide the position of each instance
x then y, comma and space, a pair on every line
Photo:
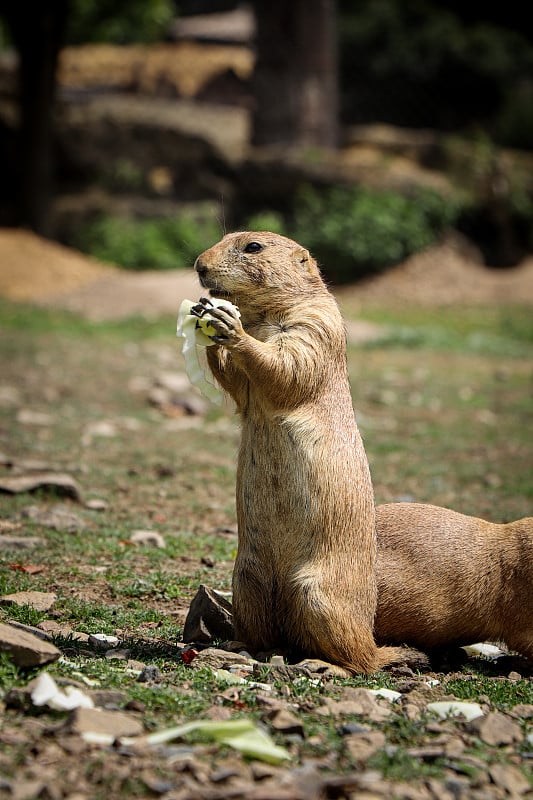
59, 483
150, 674
102, 641
355, 701
151, 538
285, 722
496, 729
40, 601
209, 617
10, 542
25, 649
361, 746
106, 723
221, 659
41, 633
509, 778
59, 517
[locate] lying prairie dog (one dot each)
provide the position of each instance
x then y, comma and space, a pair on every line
445, 578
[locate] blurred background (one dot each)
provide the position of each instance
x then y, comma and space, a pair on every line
137, 131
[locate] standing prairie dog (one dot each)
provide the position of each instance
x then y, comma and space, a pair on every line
304, 576
445, 578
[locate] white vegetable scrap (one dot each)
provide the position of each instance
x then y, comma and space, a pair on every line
455, 708
387, 694
196, 332
47, 693
484, 649
240, 734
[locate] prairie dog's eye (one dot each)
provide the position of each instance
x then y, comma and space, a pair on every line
253, 247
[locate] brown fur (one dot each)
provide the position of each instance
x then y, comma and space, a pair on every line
304, 575
445, 578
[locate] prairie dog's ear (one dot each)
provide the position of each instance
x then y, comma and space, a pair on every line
302, 258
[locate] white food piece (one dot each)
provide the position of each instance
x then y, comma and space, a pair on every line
455, 708
483, 649
195, 333
387, 694
47, 693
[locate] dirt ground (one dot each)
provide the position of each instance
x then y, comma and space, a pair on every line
159, 470
41, 271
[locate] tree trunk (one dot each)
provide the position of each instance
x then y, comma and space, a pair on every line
37, 30
295, 77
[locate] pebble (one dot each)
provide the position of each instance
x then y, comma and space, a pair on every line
150, 674
101, 641
10, 542
497, 729
151, 538
40, 601
92, 723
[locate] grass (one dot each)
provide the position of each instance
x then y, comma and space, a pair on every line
443, 402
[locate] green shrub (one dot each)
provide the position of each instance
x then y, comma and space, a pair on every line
267, 221
156, 243
119, 21
353, 232
356, 231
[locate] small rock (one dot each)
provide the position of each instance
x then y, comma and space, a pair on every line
96, 504
285, 722
209, 616
509, 778
22, 789
10, 542
25, 649
118, 653
101, 641
496, 729
361, 746
40, 601
102, 428
109, 699
27, 416
96, 722
152, 538
80, 636
150, 674
356, 701
220, 659
135, 705
352, 727
323, 668
52, 628
57, 482
522, 711
59, 518
36, 631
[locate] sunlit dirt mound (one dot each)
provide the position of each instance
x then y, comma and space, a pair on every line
449, 273
33, 268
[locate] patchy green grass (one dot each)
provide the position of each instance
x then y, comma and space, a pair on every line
443, 400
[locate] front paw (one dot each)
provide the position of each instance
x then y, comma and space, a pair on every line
220, 323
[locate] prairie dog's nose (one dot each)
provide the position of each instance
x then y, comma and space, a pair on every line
200, 267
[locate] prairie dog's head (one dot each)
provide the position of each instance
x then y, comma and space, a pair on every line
252, 267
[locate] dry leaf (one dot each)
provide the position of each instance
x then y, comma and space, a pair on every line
30, 569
